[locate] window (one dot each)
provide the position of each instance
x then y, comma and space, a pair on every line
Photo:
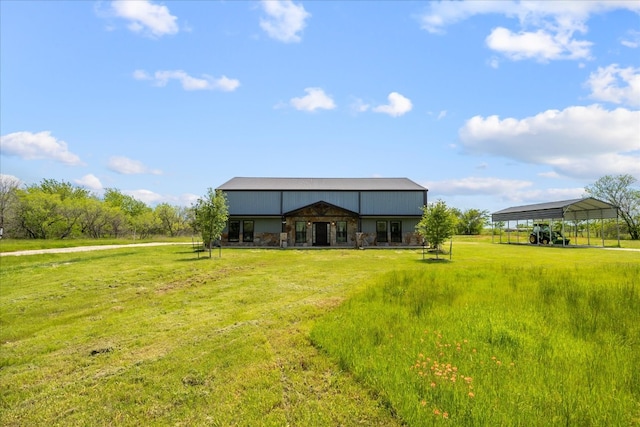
341, 232
247, 231
381, 231
234, 231
301, 232
396, 231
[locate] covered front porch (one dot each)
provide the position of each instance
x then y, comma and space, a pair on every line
319, 224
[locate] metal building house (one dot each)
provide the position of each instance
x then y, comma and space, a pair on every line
323, 211
585, 209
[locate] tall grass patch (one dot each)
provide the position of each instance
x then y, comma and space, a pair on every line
496, 344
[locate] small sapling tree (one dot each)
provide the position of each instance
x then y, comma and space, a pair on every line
212, 213
438, 223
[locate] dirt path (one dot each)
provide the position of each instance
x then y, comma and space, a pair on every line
86, 248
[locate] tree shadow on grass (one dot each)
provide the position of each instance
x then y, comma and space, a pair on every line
431, 260
203, 256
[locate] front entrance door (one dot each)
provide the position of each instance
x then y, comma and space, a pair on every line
321, 234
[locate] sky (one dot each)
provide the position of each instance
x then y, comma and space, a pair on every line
488, 104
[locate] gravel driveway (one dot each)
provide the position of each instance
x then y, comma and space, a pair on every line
84, 249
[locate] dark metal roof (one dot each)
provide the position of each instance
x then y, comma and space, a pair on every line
574, 209
321, 184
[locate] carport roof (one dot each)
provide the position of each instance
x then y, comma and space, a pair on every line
574, 209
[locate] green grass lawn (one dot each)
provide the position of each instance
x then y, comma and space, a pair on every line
140, 336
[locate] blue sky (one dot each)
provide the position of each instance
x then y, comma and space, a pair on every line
487, 104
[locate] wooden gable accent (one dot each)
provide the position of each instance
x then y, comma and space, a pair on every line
322, 209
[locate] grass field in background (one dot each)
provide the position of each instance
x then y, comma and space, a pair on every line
321, 337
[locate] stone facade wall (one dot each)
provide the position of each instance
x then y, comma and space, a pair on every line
408, 239
352, 227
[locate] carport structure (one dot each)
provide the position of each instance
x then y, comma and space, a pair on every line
574, 210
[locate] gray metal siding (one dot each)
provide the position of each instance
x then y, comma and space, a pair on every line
409, 225
293, 200
369, 225
253, 202
392, 203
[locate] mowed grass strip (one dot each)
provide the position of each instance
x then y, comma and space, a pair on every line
158, 336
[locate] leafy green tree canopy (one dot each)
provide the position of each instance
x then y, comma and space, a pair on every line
619, 190
128, 204
471, 221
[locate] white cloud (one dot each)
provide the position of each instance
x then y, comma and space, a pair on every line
314, 100
494, 63
511, 191
127, 166
89, 181
162, 77
632, 41
476, 185
442, 114
444, 13
541, 195
359, 106
41, 145
547, 28
147, 196
550, 174
616, 85
152, 198
141, 75
284, 20
540, 45
397, 106
584, 142
145, 17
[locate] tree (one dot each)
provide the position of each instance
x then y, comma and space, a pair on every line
471, 221
131, 209
8, 199
618, 190
437, 224
96, 218
146, 224
38, 213
212, 213
51, 209
169, 218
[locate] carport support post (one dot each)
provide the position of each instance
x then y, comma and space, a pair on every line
588, 230
602, 229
